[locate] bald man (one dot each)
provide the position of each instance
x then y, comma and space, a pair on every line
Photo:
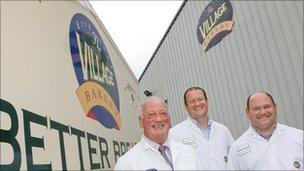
267, 144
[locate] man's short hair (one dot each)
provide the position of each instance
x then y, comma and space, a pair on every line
193, 88
248, 99
152, 98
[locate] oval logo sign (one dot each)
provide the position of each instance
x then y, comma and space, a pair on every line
97, 91
215, 23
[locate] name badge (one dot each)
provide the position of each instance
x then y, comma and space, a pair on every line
243, 149
190, 141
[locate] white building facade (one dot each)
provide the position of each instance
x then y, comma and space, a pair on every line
263, 51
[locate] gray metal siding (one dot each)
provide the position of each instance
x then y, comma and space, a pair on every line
264, 51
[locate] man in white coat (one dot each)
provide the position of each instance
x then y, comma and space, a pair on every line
156, 151
210, 140
266, 145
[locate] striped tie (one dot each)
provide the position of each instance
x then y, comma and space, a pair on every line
162, 150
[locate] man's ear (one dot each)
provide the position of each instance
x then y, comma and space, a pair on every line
140, 121
169, 121
186, 107
247, 112
276, 107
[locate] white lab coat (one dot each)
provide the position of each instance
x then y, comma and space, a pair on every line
283, 151
144, 157
211, 154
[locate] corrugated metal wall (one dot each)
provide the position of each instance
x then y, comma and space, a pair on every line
264, 51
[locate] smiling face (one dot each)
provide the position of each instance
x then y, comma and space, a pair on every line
196, 104
155, 120
262, 112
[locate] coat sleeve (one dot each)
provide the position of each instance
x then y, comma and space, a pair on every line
229, 138
232, 159
120, 165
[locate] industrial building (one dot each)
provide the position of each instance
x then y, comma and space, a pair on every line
263, 50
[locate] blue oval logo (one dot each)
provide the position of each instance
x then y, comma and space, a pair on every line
215, 23
97, 91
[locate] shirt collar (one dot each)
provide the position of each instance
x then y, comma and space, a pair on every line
268, 137
154, 145
200, 126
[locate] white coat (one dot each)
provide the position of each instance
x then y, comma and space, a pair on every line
211, 153
144, 157
283, 151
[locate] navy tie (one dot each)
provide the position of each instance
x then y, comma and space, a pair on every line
162, 150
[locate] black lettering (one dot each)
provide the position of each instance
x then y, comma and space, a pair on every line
30, 141
116, 150
92, 151
123, 149
128, 146
61, 128
9, 136
104, 153
79, 134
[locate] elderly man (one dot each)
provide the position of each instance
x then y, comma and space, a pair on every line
156, 151
211, 140
266, 145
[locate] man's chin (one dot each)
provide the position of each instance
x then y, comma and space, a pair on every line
265, 125
160, 138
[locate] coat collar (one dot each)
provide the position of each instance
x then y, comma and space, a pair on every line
172, 144
190, 123
148, 144
174, 150
279, 130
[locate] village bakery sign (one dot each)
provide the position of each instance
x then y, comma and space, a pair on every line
215, 23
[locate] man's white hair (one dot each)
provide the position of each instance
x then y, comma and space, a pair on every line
152, 98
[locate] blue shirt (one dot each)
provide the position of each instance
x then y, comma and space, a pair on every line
205, 130
268, 137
